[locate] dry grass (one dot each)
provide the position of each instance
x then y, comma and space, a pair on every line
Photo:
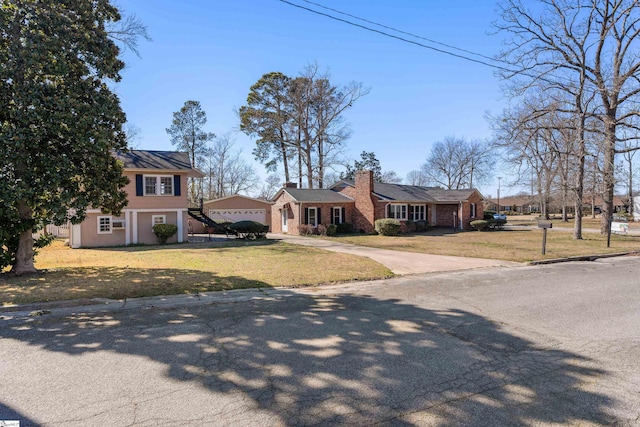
521, 245
587, 222
177, 269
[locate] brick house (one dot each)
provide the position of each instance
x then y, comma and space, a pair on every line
363, 201
156, 193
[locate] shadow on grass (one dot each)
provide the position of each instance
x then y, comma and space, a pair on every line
325, 360
114, 283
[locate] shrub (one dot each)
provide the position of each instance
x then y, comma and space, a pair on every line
250, 229
421, 226
480, 224
489, 214
332, 229
344, 228
305, 230
164, 231
322, 229
387, 226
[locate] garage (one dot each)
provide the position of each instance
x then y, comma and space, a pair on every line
238, 208
234, 215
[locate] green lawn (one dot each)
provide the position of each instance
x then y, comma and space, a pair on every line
180, 269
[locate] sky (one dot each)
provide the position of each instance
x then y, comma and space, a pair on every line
213, 51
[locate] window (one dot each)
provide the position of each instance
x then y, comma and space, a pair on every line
313, 217
158, 219
337, 216
398, 212
104, 225
473, 210
158, 185
417, 212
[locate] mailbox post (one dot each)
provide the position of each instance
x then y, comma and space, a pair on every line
544, 225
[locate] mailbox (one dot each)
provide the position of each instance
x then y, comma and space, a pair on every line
545, 224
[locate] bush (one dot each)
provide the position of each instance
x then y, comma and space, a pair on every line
421, 226
489, 215
164, 231
480, 224
344, 228
250, 229
322, 229
387, 226
305, 230
332, 229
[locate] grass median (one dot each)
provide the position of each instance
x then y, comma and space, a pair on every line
143, 271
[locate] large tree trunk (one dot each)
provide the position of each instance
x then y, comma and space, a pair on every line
24, 254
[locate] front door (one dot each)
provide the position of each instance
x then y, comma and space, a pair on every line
285, 227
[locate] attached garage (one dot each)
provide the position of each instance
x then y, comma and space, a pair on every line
238, 208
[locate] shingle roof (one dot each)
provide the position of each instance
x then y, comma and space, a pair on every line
317, 195
162, 160
413, 193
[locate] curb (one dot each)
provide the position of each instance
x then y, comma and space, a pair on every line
583, 258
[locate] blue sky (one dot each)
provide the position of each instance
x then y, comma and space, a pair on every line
213, 51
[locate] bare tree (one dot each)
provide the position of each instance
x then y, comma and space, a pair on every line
455, 163
417, 177
582, 47
227, 173
391, 177
269, 187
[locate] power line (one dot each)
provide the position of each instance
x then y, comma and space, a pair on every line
403, 32
466, 58
498, 67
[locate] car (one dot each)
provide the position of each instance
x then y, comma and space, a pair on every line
500, 216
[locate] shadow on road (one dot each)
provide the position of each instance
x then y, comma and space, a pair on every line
345, 360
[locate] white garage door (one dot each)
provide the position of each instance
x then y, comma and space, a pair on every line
234, 215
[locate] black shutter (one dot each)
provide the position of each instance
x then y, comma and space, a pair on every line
388, 211
411, 208
333, 215
344, 219
306, 215
176, 185
139, 187
319, 217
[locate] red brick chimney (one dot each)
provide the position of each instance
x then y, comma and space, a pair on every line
364, 215
289, 185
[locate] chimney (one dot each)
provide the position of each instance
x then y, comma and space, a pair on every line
364, 217
289, 185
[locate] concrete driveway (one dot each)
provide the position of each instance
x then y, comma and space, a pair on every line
398, 262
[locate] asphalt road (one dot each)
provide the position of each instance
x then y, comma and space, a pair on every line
545, 345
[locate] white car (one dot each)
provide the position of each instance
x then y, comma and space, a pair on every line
500, 216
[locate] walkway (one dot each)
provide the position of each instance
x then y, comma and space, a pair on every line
398, 262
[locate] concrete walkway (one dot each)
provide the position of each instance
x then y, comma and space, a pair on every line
397, 261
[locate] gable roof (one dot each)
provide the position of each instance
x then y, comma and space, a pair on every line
142, 160
233, 196
316, 195
413, 193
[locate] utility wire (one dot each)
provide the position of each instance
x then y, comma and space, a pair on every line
404, 32
446, 52
398, 37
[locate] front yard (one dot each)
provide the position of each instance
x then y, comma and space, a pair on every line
517, 245
178, 269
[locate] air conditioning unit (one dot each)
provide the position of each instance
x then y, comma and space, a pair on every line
118, 224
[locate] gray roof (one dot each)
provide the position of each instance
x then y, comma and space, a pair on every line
317, 195
414, 193
162, 160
